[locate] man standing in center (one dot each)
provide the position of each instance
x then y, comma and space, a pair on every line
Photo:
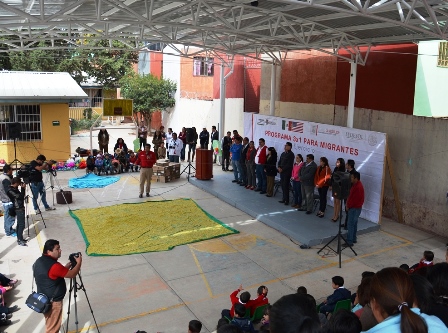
146, 160
260, 161
175, 146
285, 165
307, 177
204, 138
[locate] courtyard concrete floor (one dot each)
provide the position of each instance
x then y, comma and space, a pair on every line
163, 291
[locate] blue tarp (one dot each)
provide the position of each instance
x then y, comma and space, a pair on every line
91, 181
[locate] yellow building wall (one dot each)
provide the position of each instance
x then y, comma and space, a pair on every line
55, 142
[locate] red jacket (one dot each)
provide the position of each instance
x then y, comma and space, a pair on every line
252, 304
146, 160
260, 156
356, 196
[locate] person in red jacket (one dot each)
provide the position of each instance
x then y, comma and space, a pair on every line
427, 260
146, 160
262, 299
354, 206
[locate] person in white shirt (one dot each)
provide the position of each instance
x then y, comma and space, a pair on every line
168, 137
175, 146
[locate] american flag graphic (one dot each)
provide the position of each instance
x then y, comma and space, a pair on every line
295, 126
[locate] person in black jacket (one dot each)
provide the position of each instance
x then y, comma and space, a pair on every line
285, 165
243, 161
204, 138
226, 143
271, 170
17, 198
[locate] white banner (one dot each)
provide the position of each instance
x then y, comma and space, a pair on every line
366, 148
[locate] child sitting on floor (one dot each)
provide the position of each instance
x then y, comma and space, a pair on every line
245, 324
107, 164
132, 159
339, 294
98, 164
90, 164
427, 260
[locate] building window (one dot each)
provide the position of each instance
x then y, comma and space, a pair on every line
442, 59
203, 66
29, 118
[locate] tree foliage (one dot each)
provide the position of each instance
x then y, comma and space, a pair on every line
149, 93
99, 59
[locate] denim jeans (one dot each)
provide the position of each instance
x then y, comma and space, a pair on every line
236, 170
36, 189
174, 158
297, 188
261, 177
352, 227
8, 219
182, 153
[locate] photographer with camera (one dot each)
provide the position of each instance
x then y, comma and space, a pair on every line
175, 146
49, 275
36, 182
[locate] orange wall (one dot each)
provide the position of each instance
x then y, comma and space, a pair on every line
156, 60
234, 83
309, 77
198, 87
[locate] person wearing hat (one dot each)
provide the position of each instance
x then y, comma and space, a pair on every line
284, 167
204, 138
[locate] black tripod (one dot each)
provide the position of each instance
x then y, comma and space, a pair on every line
338, 236
189, 167
27, 209
74, 287
16, 161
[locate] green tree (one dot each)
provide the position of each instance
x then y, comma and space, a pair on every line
149, 93
108, 66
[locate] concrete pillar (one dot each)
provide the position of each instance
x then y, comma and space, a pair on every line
351, 94
273, 90
222, 101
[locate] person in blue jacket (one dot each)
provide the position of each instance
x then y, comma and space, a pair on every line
236, 149
340, 293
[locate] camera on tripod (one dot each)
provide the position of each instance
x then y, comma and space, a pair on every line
72, 257
24, 174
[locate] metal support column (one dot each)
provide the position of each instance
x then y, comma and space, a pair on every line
351, 94
273, 90
222, 101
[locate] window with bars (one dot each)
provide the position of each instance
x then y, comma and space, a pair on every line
203, 66
442, 59
29, 118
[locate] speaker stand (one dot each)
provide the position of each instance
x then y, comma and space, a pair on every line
16, 161
339, 237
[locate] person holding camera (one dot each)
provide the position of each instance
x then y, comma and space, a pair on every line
18, 203
5, 182
36, 181
175, 146
50, 275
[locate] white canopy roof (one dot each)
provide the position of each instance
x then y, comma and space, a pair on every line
270, 27
38, 86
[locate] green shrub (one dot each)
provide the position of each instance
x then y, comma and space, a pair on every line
84, 124
87, 113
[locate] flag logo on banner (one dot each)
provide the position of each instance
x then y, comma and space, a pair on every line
292, 126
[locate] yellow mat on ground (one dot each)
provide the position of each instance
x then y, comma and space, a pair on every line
146, 227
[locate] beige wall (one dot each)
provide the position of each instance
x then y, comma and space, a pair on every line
55, 142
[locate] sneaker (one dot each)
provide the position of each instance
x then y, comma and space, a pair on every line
13, 282
147, 195
22, 243
140, 195
234, 181
49, 208
37, 211
12, 235
263, 192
